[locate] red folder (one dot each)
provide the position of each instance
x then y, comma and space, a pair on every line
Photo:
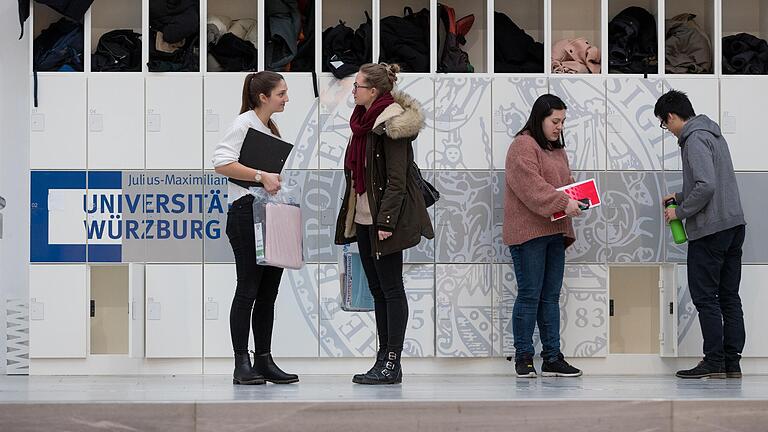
584, 191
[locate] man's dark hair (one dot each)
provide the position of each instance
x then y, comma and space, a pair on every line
673, 102
543, 108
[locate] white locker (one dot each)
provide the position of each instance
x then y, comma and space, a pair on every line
174, 325
634, 136
668, 311
219, 283
58, 311
57, 125
295, 332
174, 121
136, 310
703, 93
754, 297
222, 95
741, 120
463, 120
115, 121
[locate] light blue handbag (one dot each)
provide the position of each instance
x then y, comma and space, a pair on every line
355, 293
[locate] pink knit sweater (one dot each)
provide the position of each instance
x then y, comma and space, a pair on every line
530, 198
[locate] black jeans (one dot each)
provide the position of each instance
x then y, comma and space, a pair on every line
385, 279
714, 274
254, 301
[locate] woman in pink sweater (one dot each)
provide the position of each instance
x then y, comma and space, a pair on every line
536, 166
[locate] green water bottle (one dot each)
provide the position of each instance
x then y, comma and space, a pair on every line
678, 232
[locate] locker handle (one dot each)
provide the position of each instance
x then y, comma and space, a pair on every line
671, 308
93, 308
610, 307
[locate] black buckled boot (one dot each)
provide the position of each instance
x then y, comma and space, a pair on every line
390, 373
265, 366
244, 373
379, 363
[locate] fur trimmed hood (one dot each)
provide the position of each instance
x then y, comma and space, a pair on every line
402, 119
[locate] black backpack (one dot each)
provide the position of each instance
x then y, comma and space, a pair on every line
118, 51
344, 50
451, 36
405, 40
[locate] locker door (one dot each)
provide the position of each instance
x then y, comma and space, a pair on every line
668, 311
136, 310
754, 295
741, 119
115, 122
296, 314
222, 98
174, 326
173, 122
57, 137
58, 311
219, 281
634, 136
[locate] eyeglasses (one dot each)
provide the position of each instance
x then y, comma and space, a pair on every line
663, 126
356, 86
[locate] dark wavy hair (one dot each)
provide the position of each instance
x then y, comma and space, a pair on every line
543, 108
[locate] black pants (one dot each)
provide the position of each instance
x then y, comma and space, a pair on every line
254, 301
385, 279
714, 274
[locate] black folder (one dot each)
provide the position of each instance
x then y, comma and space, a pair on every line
262, 152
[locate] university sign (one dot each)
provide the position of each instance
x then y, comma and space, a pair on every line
128, 216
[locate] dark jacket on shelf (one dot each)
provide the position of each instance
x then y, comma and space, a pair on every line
632, 42
515, 51
396, 202
176, 19
234, 54
283, 27
117, 51
744, 54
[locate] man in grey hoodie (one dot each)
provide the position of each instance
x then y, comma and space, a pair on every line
714, 220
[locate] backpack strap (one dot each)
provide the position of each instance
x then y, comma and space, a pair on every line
450, 16
464, 25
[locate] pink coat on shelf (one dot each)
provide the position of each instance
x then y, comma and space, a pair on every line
575, 56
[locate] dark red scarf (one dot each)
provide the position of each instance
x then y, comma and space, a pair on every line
361, 122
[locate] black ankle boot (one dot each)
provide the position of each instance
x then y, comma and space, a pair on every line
244, 373
379, 363
390, 373
265, 366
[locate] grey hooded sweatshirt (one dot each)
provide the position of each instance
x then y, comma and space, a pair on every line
710, 200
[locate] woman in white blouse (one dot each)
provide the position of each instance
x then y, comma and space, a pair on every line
264, 94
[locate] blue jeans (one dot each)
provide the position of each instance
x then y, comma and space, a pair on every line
539, 267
